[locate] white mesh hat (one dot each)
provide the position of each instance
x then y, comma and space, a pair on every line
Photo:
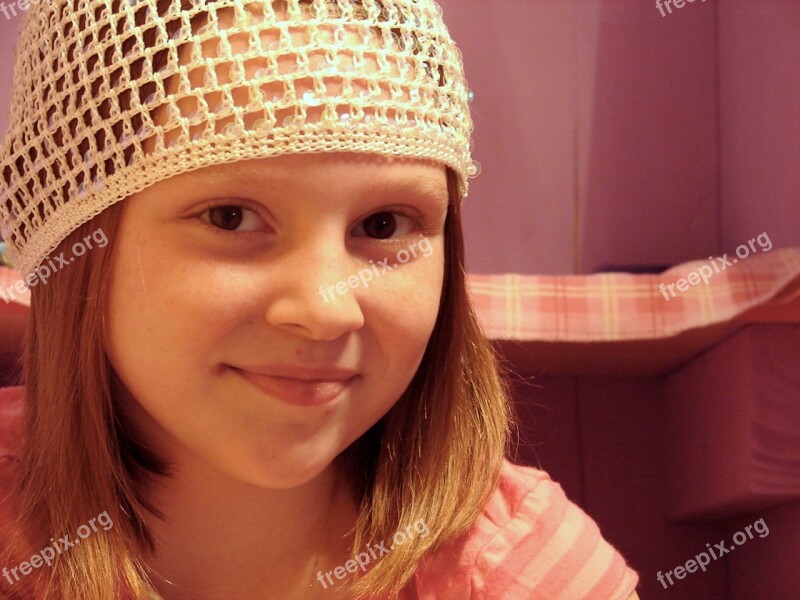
111, 96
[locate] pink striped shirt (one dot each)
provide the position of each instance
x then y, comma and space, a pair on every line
530, 542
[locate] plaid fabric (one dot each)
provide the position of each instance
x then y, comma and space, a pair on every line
610, 307
616, 306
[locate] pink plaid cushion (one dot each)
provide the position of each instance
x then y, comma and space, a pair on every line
620, 306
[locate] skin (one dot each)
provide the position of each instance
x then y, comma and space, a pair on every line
188, 299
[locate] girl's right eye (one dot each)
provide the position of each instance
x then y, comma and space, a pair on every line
233, 218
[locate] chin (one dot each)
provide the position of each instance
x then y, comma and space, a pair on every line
286, 480
284, 473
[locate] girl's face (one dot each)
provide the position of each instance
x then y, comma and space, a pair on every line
264, 314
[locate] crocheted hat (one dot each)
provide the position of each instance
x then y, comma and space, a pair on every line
111, 96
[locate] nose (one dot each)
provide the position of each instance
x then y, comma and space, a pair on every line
301, 301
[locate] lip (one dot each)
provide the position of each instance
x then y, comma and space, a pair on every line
299, 386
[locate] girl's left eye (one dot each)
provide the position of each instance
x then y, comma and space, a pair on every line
384, 225
232, 217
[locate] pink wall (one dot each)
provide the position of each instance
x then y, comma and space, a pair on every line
8, 36
610, 134
760, 87
597, 133
523, 63
648, 189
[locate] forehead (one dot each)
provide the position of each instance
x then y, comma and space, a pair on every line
329, 174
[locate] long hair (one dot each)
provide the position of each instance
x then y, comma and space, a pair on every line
435, 456
78, 457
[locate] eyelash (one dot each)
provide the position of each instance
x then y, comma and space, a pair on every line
422, 225
223, 232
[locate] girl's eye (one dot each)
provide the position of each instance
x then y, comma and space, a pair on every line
231, 217
383, 225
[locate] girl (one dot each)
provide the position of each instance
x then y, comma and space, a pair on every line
269, 382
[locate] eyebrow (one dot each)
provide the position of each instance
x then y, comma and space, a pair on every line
424, 187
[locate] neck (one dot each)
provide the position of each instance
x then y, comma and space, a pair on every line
224, 538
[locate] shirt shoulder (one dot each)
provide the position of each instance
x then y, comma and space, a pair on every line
530, 543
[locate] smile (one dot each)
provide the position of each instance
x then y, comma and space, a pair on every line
297, 392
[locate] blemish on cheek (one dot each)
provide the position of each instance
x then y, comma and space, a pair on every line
299, 352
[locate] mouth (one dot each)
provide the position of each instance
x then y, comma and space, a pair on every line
298, 391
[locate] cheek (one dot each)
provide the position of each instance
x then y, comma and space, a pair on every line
163, 317
414, 290
402, 311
